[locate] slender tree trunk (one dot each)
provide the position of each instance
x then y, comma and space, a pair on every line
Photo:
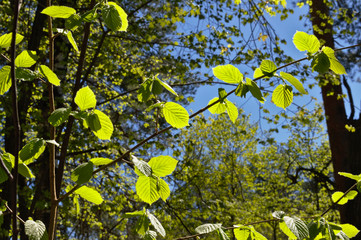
345, 146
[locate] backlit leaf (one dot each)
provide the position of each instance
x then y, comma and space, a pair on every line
70, 37
255, 90
228, 73
335, 65
89, 194
349, 175
162, 165
282, 96
141, 167
25, 171
85, 98
146, 188
5, 80
297, 227
156, 224
350, 230
114, 17
242, 233
59, 116
50, 75
82, 173
163, 189
100, 161
166, 86
26, 59
337, 195
217, 108
306, 42
320, 63
294, 81
175, 115
59, 11
268, 67
32, 150
232, 111
106, 130
5, 40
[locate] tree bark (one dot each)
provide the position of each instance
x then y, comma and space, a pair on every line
345, 146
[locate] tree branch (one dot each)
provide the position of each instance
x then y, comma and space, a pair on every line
349, 93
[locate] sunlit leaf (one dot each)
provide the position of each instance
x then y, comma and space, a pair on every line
141, 167
335, 65
156, 224
217, 108
306, 42
146, 188
349, 175
232, 111
320, 63
228, 73
337, 195
282, 96
70, 37
59, 11
85, 98
5, 40
163, 189
50, 75
100, 161
268, 67
294, 81
26, 59
25, 171
89, 194
106, 130
82, 173
175, 115
350, 230
162, 165
32, 150
5, 80
255, 90
207, 228
59, 116
115, 17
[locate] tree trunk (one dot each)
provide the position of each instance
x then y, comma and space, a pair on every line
345, 146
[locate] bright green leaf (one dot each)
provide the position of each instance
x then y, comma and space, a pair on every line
162, 165
35, 230
146, 188
306, 42
163, 189
142, 226
242, 233
82, 173
296, 226
228, 73
232, 111
337, 195
85, 98
335, 65
256, 235
89, 194
115, 17
268, 68
26, 59
50, 75
282, 96
217, 108
106, 130
175, 115
351, 194
349, 175
100, 161
59, 11
350, 230
255, 90
5, 80
133, 214
258, 74
9, 161
70, 37
156, 224
59, 116
32, 150
25, 171
320, 63
5, 40
294, 81
166, 86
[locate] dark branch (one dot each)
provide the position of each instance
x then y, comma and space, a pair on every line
349, 93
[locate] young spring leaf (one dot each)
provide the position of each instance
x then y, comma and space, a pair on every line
255, 90
35, 230
106, 130
217, 108
24, 74
142, 226
222, 235
278, 214
150, 235
100, 161
296, 226
32, 150
352, 176
82, 173
282, 96
294, 81
114, 17
175, 115
350, 230
268, 68
5, 40
142, 168
241, 90
242, 233
9, 161
145, 91
162, 165
256, 235
50, 75
93, 122
73, 22
5, 81
166, 86
156, 87
25, 171
89, 194
349, 196
232, 111
134, 214
335, 65
320, 63
70, 37
306, 42
228, 73
59, 116
85, 98
147, 189
26, 59
222, 94
156, 224
59, 11
207, 228
163, 189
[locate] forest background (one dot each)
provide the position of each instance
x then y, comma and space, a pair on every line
228, 171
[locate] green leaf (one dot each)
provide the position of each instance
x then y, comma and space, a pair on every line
162, 165
351, 194
150, 235
82, 173
100, 161
32, 150
286, 230
228, 73
35, 230
70, 37
232, 111
76, 203
143, 167
278, 214
242, 233
163, 189
256, 235
9, 161
26, 59
222, 94
5, 80
268, 68
156, 224
50, 75
5, 40
106, 130
175, 115
156, 87
306, 42
73, 22
222, 235
255, 90
337, 195
282, 96
133, 214
52, 142
59, 11
350, 230
320, 63
294, 81
90, 15
89, 194
146, 188
166, 86
258, 74
114, 17
349, 175
93, 122
217, 108
207, 228
335, 65
241, 90
24, 74
297, 227
25, 171
144, 91
59, 116
85, 98
142, 225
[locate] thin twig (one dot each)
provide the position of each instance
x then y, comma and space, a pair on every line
11, 212
10, 176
